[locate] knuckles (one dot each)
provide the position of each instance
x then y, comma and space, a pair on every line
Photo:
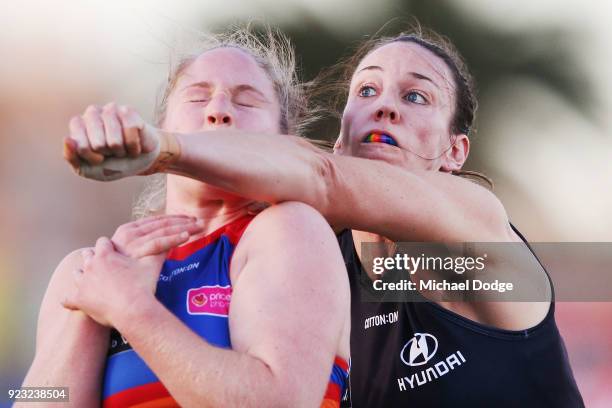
82, 150
75, 122
110, 108
92, 110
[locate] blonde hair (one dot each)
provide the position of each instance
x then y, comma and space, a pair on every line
273, 52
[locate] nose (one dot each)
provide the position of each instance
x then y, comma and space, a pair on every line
218, 112
387, 111
219, 119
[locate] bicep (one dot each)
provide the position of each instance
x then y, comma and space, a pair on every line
377, 197
291, 297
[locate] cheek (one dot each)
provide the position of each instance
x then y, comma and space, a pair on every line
256, 120
184, 118
351, 114
432, 132
350, 120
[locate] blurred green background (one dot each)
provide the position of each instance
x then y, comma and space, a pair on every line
543, 71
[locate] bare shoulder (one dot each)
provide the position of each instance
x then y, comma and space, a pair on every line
59, 284
289, 232
282, 227
62, 274
285, 266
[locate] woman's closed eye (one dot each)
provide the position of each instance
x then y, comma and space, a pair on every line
197, 97
247, 99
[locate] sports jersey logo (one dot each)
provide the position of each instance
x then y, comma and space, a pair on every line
209, 300
422, 348
199, 300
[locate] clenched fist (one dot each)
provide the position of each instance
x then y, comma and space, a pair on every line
113, 142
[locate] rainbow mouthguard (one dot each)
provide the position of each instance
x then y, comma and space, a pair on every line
379, 138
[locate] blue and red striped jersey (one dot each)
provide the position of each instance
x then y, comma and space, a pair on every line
195, 285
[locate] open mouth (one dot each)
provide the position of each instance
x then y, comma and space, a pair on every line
379, 137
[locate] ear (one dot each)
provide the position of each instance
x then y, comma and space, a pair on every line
455, 157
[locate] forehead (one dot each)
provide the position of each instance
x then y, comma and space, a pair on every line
226, 66
401, 58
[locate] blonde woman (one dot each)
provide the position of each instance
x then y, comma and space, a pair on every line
235, 317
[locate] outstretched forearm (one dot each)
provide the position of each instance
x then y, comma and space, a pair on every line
270, 168
349, 192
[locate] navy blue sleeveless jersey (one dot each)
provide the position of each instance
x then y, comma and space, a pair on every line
195, 285
418, 354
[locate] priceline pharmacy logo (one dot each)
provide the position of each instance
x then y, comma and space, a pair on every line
418, 351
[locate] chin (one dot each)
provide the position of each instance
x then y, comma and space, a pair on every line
379, 151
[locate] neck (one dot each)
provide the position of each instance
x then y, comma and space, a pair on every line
215, 207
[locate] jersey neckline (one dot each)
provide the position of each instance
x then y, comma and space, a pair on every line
233, 230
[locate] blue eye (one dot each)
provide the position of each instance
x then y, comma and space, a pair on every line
416, 97
367, 91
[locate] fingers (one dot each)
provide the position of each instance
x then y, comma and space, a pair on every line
160, 245
87, 256
70, 153
167, 226
132, 124
130, 231
78, 133
113, 130
147, 220
158, 240
95, 129
162, 240
144, 237
108, 131
104, 246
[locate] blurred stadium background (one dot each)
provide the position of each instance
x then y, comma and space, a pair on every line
544, 130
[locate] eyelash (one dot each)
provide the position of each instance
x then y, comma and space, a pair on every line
366, 86
419, 94
244, 105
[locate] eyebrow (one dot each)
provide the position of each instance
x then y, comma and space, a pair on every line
236, 89
414, 74
426, 78
371, 67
